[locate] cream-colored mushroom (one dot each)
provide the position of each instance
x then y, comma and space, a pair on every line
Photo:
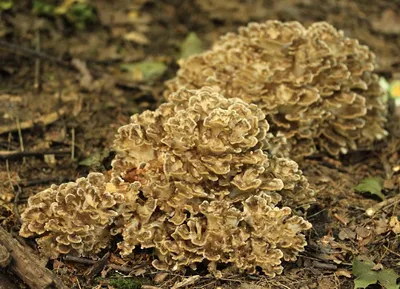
207, 185
72, 218
316, 87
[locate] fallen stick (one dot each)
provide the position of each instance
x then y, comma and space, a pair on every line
27, 266
372, 210
45, 119
14, 155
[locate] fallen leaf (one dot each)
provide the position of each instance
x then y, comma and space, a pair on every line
137, 37
344, 273
145, 70
363, 232
346, 234
191, 45
185, 282
381, 226
363, 270
6, 4
371, 185
160, 277
394, 223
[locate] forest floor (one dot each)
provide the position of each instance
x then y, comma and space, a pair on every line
72, 72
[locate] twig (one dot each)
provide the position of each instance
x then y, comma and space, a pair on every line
21, 140
122, 269
98, 266
37, 63
72, 143
45, 119
16, 201
12, 155
324, 265
92, 262
377, 207
16, 193
79, 260
41, 181
27, 51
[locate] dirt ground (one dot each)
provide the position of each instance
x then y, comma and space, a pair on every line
68, 81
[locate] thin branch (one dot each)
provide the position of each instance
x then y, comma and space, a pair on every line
13, 155
14, 48
379, 206
44, 119
36, 84
41, 181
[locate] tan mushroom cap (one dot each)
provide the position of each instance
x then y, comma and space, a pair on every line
72, 218
206, 185
316, 87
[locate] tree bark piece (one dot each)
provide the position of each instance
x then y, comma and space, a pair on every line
27, 266
5, 257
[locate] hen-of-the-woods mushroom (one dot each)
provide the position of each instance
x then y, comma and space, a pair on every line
317, 87
209, 192
72, 218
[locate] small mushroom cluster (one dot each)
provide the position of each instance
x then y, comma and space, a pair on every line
317, 87
73, 218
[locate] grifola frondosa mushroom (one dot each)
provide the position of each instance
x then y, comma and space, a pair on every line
208, 190
72, 218
316, 86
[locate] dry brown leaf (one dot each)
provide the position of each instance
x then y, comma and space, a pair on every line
362, 233
381, 226
344, 273
185, 282
137, 37
160, 277
346, 234
394, 223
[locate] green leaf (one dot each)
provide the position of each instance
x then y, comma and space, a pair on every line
145, 70
388, 279
43, 9
371, 185
94, 160
191, 45
6, 4
366, 276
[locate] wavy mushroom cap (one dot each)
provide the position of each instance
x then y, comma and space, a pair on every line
72, 218
207, 150
316, 87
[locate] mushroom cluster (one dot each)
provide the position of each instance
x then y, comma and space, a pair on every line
73, 218
209, 192
206, 177
193, 180
316, 87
